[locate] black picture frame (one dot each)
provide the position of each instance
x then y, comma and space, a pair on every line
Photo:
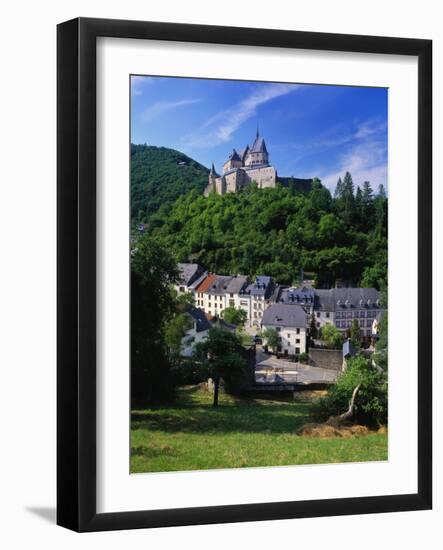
76, 281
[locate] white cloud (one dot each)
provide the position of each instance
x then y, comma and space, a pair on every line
161, 106
138, 83
221, 127
366, 161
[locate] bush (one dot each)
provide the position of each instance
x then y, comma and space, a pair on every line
303, 358
371, 403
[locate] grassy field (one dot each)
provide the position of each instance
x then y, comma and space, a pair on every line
193, 435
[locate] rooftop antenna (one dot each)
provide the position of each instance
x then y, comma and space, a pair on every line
258, 133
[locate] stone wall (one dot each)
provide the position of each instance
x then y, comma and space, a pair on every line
265, 177
326, 358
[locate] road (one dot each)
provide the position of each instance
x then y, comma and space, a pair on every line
269, 370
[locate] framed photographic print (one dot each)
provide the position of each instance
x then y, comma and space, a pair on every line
244, 274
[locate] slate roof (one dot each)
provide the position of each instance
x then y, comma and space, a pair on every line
284, 315
243, 152
337, 299
213, 172
234, 155
221, 323
261, 286
236, 284
189, 272
198, 315
259, 145
198, 281
256, 167
219, 284
294, 295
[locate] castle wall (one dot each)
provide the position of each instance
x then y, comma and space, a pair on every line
234, 181
265, 177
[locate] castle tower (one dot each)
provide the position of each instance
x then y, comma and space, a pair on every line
234, 161
258, 154
212, 179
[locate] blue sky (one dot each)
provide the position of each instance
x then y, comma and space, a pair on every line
310, 130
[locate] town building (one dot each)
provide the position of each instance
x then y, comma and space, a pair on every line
197, 332
340, 306
237, 297
260, 292
304, 296
290, 321
190, 276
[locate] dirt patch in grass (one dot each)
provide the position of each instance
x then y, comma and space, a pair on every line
326, 430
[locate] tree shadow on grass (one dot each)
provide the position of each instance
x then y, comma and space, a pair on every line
247, 418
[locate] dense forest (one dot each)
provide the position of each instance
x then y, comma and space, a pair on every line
280, 232
159, 176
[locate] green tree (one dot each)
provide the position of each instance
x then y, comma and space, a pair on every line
381, 347
331, 336
184, 301
219, 357
313, 331
355, 334
175, 331
153, 270
371, 400
235, 316
338, 189
272, 338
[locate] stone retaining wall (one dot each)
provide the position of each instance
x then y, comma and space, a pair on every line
326, 358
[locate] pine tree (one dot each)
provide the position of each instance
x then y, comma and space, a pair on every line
338, 189
348, 199
381, 191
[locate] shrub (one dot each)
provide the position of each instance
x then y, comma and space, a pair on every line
371, 403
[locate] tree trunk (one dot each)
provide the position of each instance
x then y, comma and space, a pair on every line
216, 387
349, 413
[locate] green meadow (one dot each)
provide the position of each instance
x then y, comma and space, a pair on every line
191, 434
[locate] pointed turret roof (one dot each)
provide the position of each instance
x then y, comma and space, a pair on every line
259, 145
213, 171
234, 155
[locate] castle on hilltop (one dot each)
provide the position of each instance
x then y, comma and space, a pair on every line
242, 167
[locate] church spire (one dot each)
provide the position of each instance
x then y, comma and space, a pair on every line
257, 135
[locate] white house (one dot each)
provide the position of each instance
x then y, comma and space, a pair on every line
198, 331
236, 295
290, 322
191, 275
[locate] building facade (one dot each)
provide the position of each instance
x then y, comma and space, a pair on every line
339, 306
290, 321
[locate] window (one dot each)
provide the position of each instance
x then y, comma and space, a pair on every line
298, 331
297, 340
327, 314
277, 329
297, 350
318, 325
318, 314
182, 289
289, 336
231, 295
